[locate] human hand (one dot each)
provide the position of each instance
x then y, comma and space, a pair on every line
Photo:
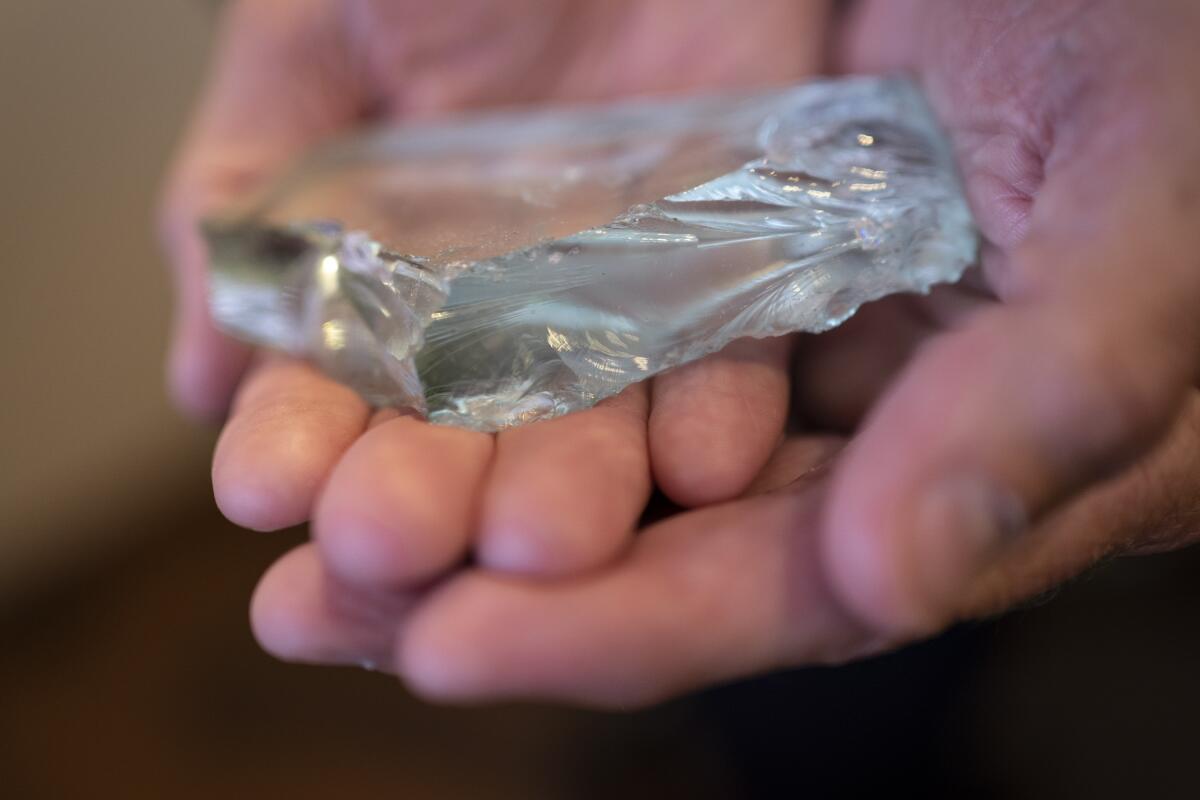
1004, 438
404, 502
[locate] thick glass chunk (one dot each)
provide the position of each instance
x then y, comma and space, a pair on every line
501, 268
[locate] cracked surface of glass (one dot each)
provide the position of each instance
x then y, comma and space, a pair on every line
497, 269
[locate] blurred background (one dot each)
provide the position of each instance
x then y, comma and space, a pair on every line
126, 664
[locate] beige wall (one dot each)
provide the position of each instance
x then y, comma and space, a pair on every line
93, 94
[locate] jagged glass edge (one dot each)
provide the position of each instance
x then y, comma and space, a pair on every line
330, 249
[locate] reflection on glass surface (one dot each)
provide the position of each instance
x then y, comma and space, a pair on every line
498, 269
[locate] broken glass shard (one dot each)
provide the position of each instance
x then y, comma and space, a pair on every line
502, 268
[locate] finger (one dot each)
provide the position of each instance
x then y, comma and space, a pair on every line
402, 504
714, 422
301, 613
1080, 372
289, 426
705, 596
838, 375
565, 495
281, 80
798, 459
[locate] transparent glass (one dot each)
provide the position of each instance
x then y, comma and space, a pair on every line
496, 269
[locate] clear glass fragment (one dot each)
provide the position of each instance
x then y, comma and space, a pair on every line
501, 268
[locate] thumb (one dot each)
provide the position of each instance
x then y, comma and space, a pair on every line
281, 80
1079, 371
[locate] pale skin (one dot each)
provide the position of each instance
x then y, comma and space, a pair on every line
956, 454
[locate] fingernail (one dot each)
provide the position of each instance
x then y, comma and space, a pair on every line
962, 524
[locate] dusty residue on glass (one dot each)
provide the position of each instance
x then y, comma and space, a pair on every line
498, 269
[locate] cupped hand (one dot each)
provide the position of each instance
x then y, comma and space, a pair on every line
1005, 435
401, 502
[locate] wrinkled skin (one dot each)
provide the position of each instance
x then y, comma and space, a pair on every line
949, 456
